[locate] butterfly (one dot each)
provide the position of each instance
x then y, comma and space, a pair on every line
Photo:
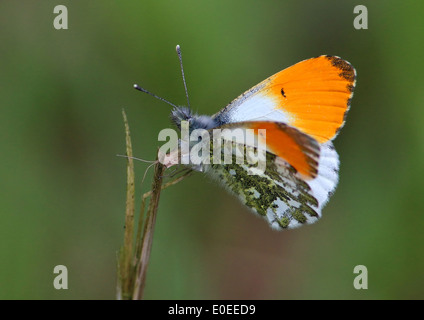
302, 109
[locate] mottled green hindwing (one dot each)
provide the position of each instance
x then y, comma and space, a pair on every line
278, 193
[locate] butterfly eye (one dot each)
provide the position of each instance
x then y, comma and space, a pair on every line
283, 93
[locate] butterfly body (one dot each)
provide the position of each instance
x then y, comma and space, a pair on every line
302, 109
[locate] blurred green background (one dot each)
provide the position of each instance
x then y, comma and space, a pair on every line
63, 188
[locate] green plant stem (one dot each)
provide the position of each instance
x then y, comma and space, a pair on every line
125, 267
147, 240
134, 258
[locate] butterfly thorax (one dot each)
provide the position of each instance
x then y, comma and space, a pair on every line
195, 121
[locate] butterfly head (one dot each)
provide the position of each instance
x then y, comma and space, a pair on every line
195, 121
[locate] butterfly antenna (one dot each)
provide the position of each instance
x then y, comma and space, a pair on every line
134, 158
182, 72
137, 87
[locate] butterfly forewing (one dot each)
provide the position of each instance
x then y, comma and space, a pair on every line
313, 96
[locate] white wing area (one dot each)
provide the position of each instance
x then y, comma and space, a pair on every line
321, 188
324, 185
253, 107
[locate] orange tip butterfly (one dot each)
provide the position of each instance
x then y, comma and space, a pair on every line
302, 109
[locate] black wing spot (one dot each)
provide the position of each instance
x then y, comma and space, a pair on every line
283, 93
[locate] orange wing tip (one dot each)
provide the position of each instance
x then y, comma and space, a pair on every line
348, 72
315, 94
